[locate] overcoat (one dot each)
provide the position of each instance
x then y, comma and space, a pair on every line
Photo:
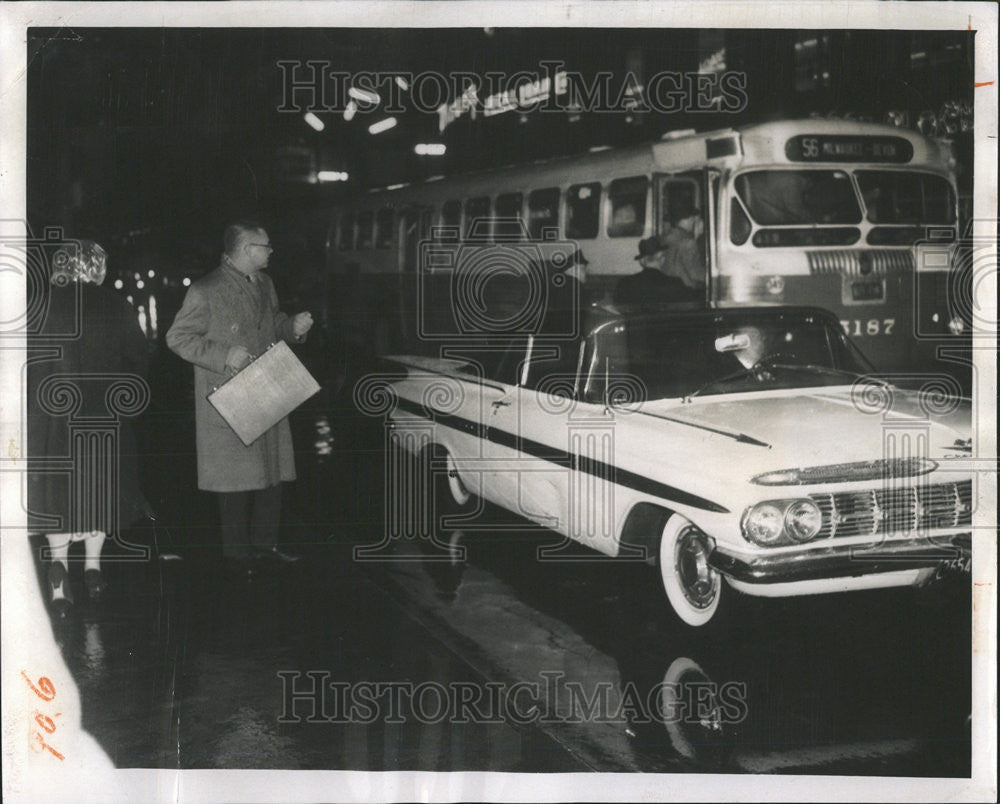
226, 308
86, 382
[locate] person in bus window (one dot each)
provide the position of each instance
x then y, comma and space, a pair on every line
683, 251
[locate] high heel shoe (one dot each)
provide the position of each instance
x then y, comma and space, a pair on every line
58, 577
93, 579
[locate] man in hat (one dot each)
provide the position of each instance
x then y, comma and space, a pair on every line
651, 286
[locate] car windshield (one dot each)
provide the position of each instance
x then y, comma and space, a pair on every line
718, 354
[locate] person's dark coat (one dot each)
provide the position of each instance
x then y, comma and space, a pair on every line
568, 303
221, 310
650, 288
85, 384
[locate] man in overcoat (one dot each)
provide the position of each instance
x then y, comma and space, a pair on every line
229, 316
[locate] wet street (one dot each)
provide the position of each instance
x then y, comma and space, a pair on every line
496, 662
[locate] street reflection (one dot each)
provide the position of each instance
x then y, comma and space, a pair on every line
835, 683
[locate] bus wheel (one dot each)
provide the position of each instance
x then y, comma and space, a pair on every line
693, 588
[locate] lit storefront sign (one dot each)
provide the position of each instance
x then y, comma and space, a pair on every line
527, 93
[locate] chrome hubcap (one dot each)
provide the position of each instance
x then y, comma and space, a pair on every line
698, 581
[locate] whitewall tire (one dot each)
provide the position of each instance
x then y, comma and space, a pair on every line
693, 588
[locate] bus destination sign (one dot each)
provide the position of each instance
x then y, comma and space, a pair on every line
841, 148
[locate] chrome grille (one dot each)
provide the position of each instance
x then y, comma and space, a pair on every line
906, 509
860, 262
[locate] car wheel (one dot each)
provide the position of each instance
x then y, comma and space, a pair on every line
451, 498
693, 588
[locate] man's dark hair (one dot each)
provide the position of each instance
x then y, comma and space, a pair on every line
233, 231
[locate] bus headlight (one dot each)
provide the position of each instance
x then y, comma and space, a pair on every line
781, 522
803, 520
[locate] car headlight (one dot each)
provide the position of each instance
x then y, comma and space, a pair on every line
777, 522
764, 523
803, 520
956, 326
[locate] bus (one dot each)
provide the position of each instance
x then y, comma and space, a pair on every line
858, 218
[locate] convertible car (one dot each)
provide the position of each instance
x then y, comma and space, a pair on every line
748, 448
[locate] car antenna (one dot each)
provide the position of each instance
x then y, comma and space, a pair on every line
607, 392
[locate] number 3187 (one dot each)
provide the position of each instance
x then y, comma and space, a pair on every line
873, 326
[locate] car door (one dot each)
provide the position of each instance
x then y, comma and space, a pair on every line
530, 433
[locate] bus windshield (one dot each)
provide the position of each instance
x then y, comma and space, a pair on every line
789, 197
896, 197
810, 197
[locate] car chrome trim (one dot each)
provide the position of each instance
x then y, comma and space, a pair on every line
840, 561
536, 449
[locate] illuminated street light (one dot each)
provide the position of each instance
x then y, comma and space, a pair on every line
364, 95
313, 121
151, 273
429, 149
140, 284
350, 110
402, 83
119, 284
382, 125
331, 175
186, 281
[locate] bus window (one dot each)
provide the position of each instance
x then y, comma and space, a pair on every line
628, 206
739, 223
782, 197
346, 234
678, 200
897, 197
583, 207
383, 228
364, 238
543, 211
477, 217
451, 219
507, 208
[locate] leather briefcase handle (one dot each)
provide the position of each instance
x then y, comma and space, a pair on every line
233, 372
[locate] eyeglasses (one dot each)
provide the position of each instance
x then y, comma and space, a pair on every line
268, 246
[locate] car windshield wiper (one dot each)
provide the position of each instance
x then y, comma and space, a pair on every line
811, 369
759, 371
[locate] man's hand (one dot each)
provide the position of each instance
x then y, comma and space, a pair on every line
301, 324
237, 358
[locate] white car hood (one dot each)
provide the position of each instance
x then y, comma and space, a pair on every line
823, 426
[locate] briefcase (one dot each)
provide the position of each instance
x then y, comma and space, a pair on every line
262, 393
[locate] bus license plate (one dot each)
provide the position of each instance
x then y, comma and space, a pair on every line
866, 291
